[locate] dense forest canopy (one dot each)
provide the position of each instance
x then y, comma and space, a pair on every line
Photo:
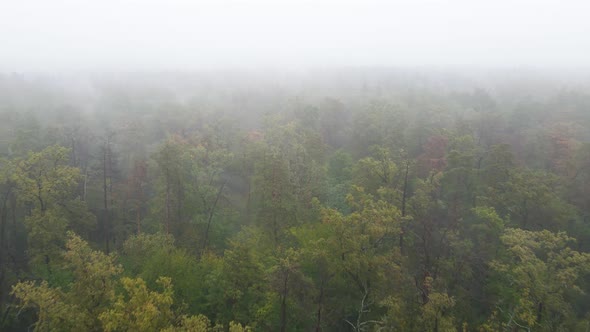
350, 199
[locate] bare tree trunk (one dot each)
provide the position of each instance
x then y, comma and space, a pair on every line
105, 198
210, 218
179, 198
318, 326
111, 196
284, 302
3, 246
404, 198
138, 216
167, 203
85, 185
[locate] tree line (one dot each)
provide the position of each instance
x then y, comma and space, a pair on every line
380, 206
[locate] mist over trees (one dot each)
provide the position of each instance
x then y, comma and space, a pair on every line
349, 199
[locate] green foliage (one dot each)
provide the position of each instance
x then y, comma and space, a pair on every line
138, 249
381, 205
537, 270
86, 297
153, 256
141, 309
93, 287
339, 176
46, 183
531, 200
53, 310
433, 316
44, 179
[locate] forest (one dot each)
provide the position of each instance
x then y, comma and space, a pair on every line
350, 199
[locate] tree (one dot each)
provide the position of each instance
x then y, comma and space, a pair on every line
377, 172
88, 295
365, 249
136, 183
534, 277
531, 200
47, 185
7, 235
339, 174
209, 178
53, 310
142, 310
107, 187
241, 287
171, 161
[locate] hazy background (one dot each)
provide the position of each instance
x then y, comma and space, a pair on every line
180, 35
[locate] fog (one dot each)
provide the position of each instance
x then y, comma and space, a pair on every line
294, 165
185, 35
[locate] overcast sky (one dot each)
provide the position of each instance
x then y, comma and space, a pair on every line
184, 34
